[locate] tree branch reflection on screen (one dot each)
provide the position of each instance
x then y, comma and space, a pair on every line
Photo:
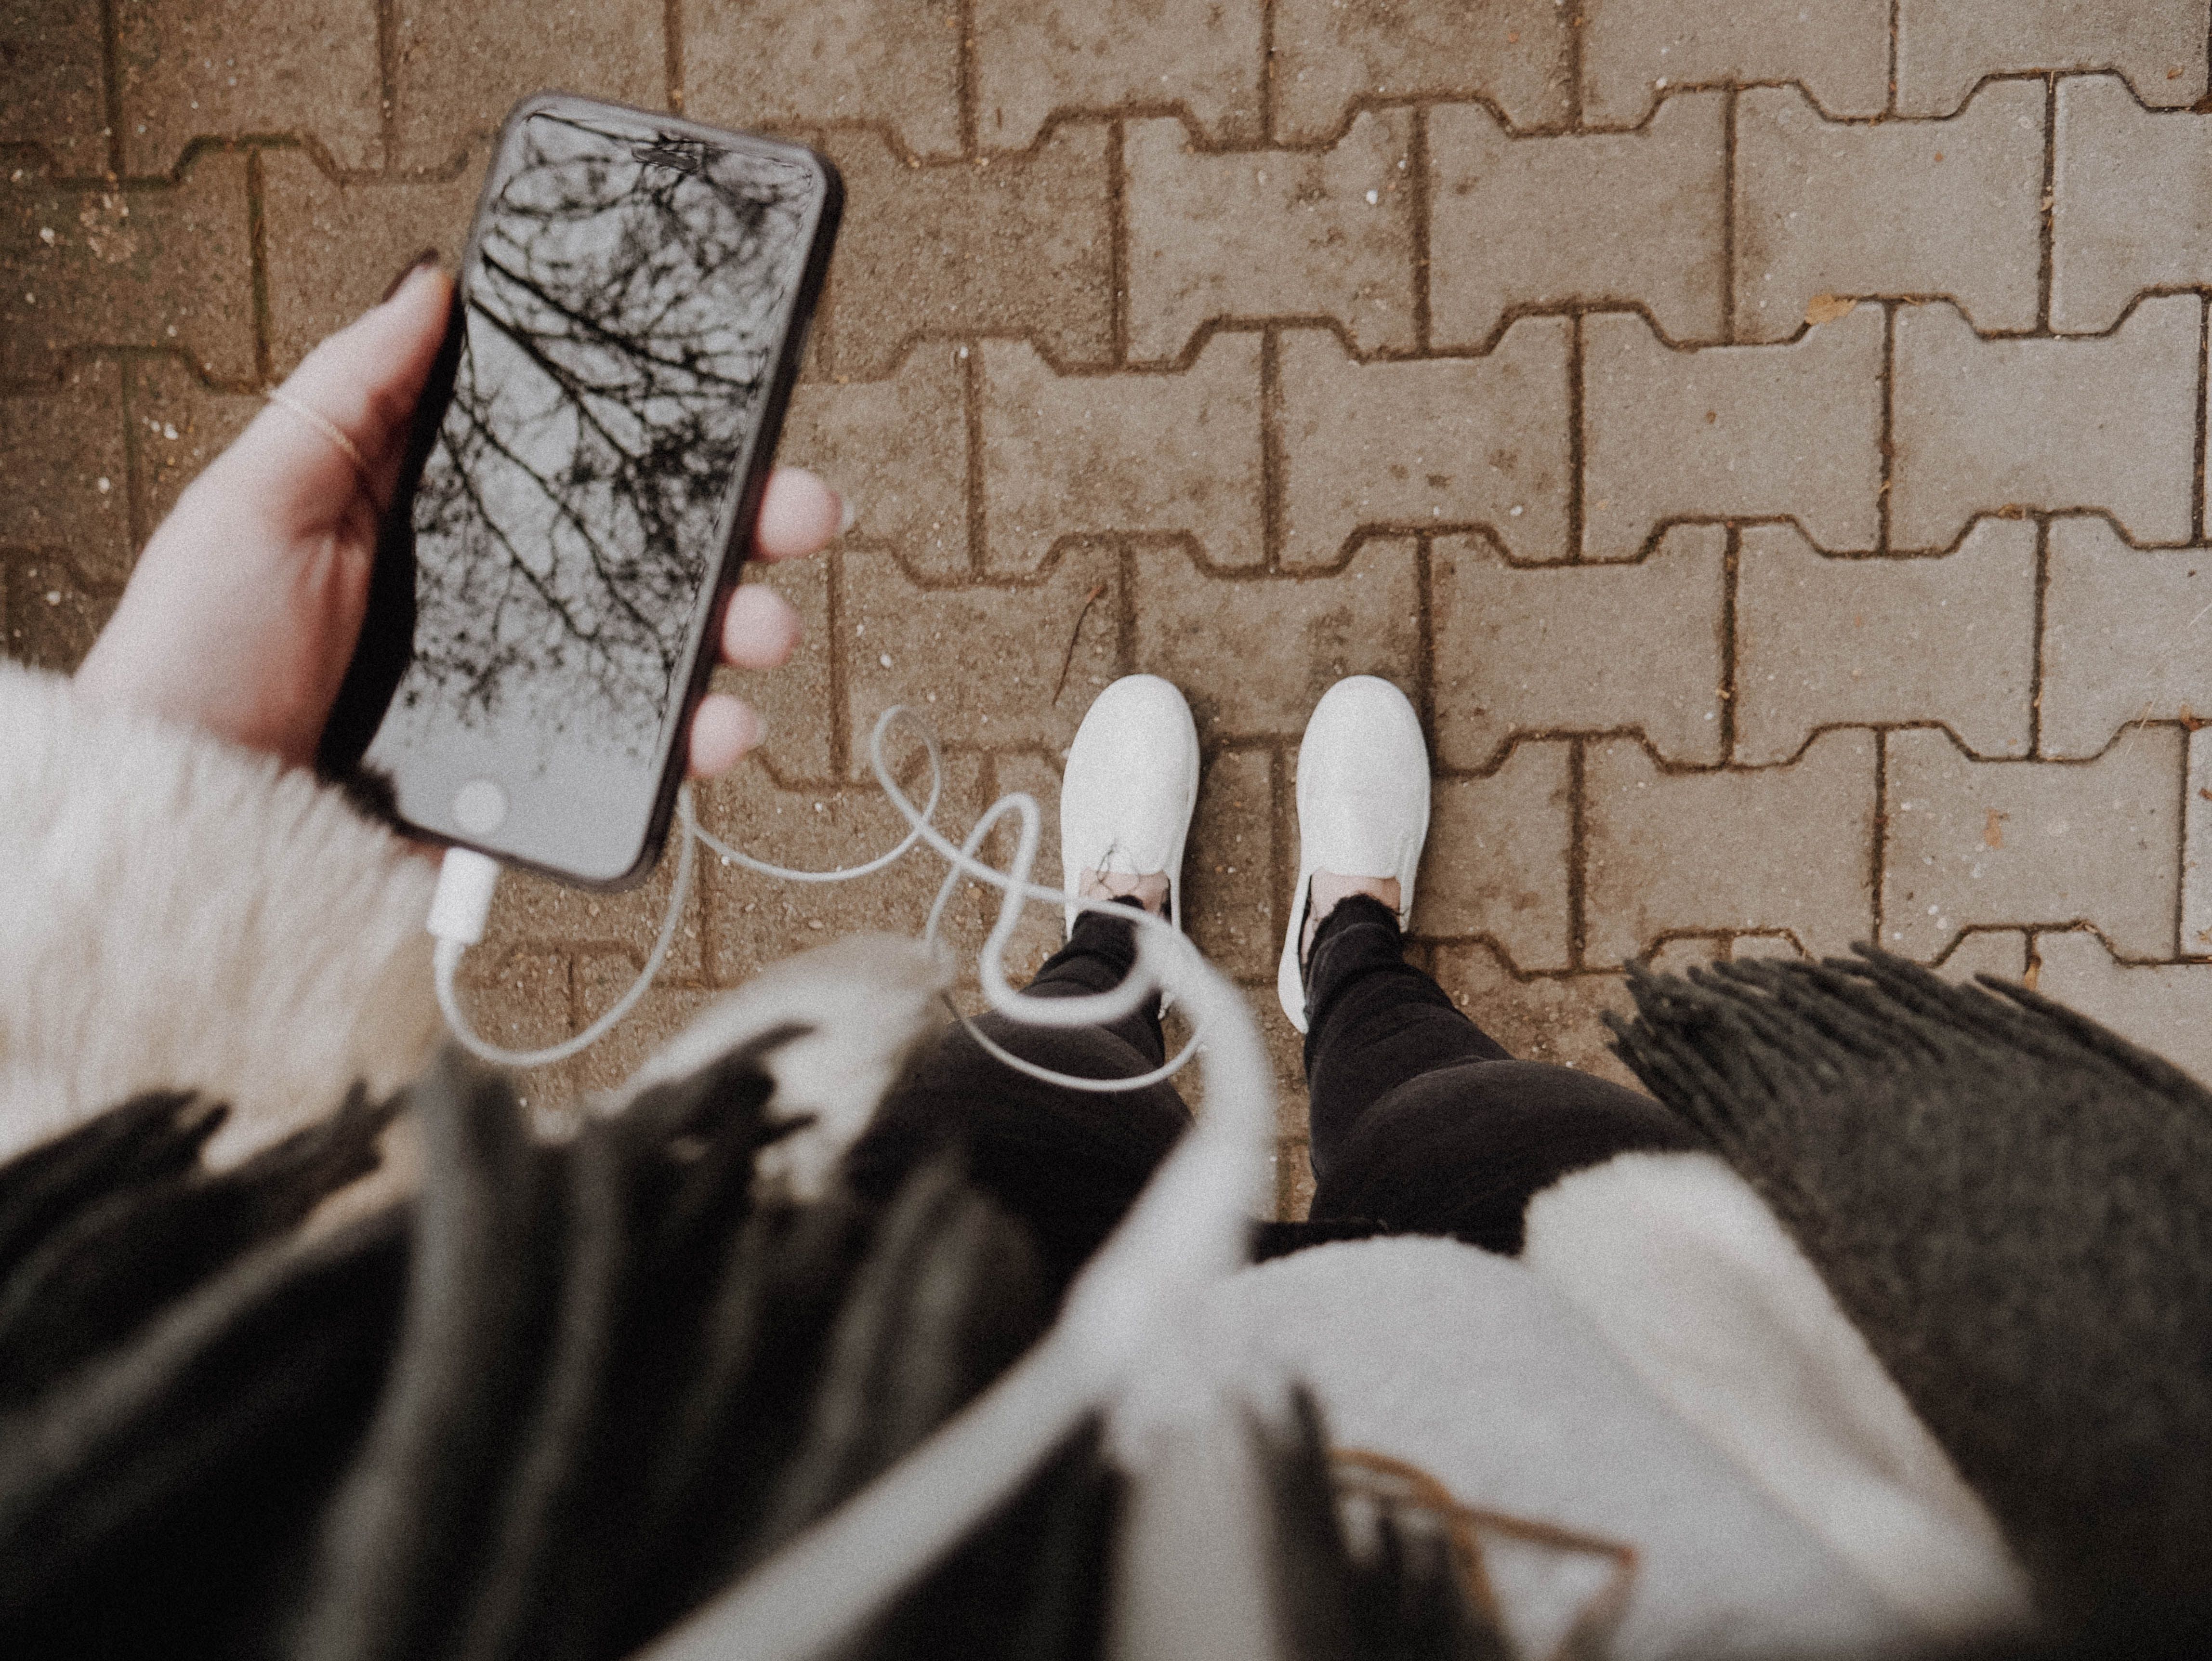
622, 329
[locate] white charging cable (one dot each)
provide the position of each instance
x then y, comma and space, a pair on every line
467, 880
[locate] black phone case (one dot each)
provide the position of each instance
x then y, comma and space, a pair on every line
382, 654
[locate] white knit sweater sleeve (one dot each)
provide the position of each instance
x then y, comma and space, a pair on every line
176, 911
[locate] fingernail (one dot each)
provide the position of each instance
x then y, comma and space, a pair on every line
428, 257
847, 513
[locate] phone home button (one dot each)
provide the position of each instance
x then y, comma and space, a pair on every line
479, 806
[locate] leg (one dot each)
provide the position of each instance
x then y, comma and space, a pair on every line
1070, 1162
1421, 1123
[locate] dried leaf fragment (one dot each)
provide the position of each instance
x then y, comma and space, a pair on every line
1827, 309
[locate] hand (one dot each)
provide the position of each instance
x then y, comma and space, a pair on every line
242, 612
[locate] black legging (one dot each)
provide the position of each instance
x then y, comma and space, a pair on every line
1421, 1123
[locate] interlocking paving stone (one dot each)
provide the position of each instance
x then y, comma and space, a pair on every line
755, 921
786, 64
2126, 636
1898, 208
1545, 1018
152, 265
1779, 848
1270, 233
1580, 648
1254, 656
51, 614
178, 425
1731, 432
897, 449
538, 914
1230, 909
50, 53
1980, 426
1822, 641
1041, 931
1634, 50
2003, 953
333, 246
1442, 445
68, 496
235, 69
1008, 245
2159, 1006
2026, 841
1329, 56
1944, 48
1495, 862
2196, 846
981, 664
1034, 57
2131, 204
1063, 455
1635, 218
663, 1013
459, 69
795, 700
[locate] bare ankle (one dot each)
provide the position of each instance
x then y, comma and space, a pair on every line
1150, 891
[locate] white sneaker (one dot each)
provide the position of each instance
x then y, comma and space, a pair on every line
1362, 805
1129, 787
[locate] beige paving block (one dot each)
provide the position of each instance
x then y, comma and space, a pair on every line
2027, 843
1270, 234
1896, 208
755, 921
538, 914
1681, 953
1253, 655
897, 450
2165, 1008
460, 68
1603, 649
1747, 432
1036, 57
1512, 53
1559, 1018
51, 614
1983, 425
1823, 642
68, 492
2127, 636
798, 700
981, 664
179, 424
1442, 445
1230, 909
1020, 244
1634, 50
150, 265
1294, 1180
796, 63
2003, 953
2196, 846
1631, 218
1495, 863
52, 52
236, 69
520, 999
1745, 948
1944, 48
1773, 850
2131, 204
1166, 453
332, 248
658, 1016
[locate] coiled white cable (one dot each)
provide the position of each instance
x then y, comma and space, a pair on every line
467, 879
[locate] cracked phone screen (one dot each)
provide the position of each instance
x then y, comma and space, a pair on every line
625, 306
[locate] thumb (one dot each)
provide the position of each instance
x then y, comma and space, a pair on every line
365, 381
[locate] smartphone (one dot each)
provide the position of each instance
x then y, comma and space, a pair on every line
579, 493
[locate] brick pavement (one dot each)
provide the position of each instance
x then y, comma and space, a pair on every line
1508, 350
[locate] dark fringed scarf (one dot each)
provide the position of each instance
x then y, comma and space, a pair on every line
2015, 1207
